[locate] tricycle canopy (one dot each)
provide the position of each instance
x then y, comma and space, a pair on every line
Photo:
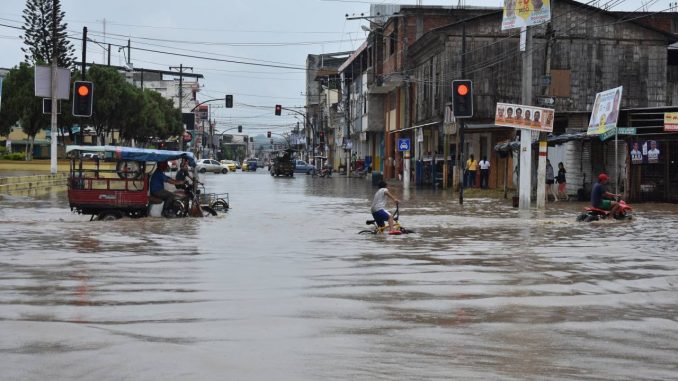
133, 154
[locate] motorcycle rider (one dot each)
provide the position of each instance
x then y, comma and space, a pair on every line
157, 184
601, 198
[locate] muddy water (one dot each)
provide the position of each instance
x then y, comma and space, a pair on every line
282, 287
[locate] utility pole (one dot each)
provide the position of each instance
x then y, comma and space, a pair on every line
181, 83
543, 144
525, 192
53, 155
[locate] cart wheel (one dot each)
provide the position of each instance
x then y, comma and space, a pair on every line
128, 169
109, 215
220, 206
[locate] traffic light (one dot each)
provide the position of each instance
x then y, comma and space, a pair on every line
229, 101
268, 134
278, 109
239, 129
462, 98
83, 96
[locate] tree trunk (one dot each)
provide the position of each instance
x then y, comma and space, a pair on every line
29, 154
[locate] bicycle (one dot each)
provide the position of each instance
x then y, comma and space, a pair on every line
376, 229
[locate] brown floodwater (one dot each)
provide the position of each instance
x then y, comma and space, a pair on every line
282, 287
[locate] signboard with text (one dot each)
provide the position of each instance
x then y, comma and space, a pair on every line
671, 121
521, 116
522, 13
605, 111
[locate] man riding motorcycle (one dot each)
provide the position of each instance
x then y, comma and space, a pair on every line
601, 198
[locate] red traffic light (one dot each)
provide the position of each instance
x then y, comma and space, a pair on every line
278, 109
462, 89
83, 90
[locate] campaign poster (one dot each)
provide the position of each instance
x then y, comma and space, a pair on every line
605, 111
527, 117
521, 13
671, 121
645, 152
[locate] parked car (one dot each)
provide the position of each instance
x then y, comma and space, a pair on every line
230, 164
301, 166
209, 165
237, 164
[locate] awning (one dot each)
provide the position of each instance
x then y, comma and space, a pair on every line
550, 140
413, 127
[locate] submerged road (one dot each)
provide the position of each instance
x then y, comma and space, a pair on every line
283, 288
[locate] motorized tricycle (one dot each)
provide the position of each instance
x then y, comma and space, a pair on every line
114, 183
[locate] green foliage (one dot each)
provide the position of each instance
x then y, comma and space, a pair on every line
19, 103
38, 36
137, 114
13, 156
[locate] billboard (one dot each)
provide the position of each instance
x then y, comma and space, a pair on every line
605, 111
521, 116
522, 13
644, 152
671, 121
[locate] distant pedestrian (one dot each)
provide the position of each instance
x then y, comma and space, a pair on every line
471, 169
550, 180
562, 184
484, 173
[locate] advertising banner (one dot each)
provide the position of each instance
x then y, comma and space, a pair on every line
522, 13
671, 121
605, 111
528, 117
644, 152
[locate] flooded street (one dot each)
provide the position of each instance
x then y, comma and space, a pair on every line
283, 288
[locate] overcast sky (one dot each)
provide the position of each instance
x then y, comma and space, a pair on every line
241, 30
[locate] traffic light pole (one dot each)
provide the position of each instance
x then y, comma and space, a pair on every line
53, 154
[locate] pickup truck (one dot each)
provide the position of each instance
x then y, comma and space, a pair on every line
301, 166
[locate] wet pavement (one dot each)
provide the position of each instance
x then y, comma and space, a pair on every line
282, 287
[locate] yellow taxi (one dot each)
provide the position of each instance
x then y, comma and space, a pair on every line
230, 164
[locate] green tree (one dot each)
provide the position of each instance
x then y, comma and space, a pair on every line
38, 37
20, 105
108, 92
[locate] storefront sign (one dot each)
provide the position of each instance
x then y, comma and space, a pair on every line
527, 117
626, 130
671, 121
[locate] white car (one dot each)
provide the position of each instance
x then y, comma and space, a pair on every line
209, 165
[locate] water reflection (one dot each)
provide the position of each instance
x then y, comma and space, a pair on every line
282, 287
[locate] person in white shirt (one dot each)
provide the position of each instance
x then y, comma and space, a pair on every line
379, 207
484, 172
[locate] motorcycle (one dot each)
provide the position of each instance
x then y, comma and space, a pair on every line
187, 203
595, 214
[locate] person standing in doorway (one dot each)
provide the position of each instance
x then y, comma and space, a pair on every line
471, 169
550, 180
562, 184
484, 173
